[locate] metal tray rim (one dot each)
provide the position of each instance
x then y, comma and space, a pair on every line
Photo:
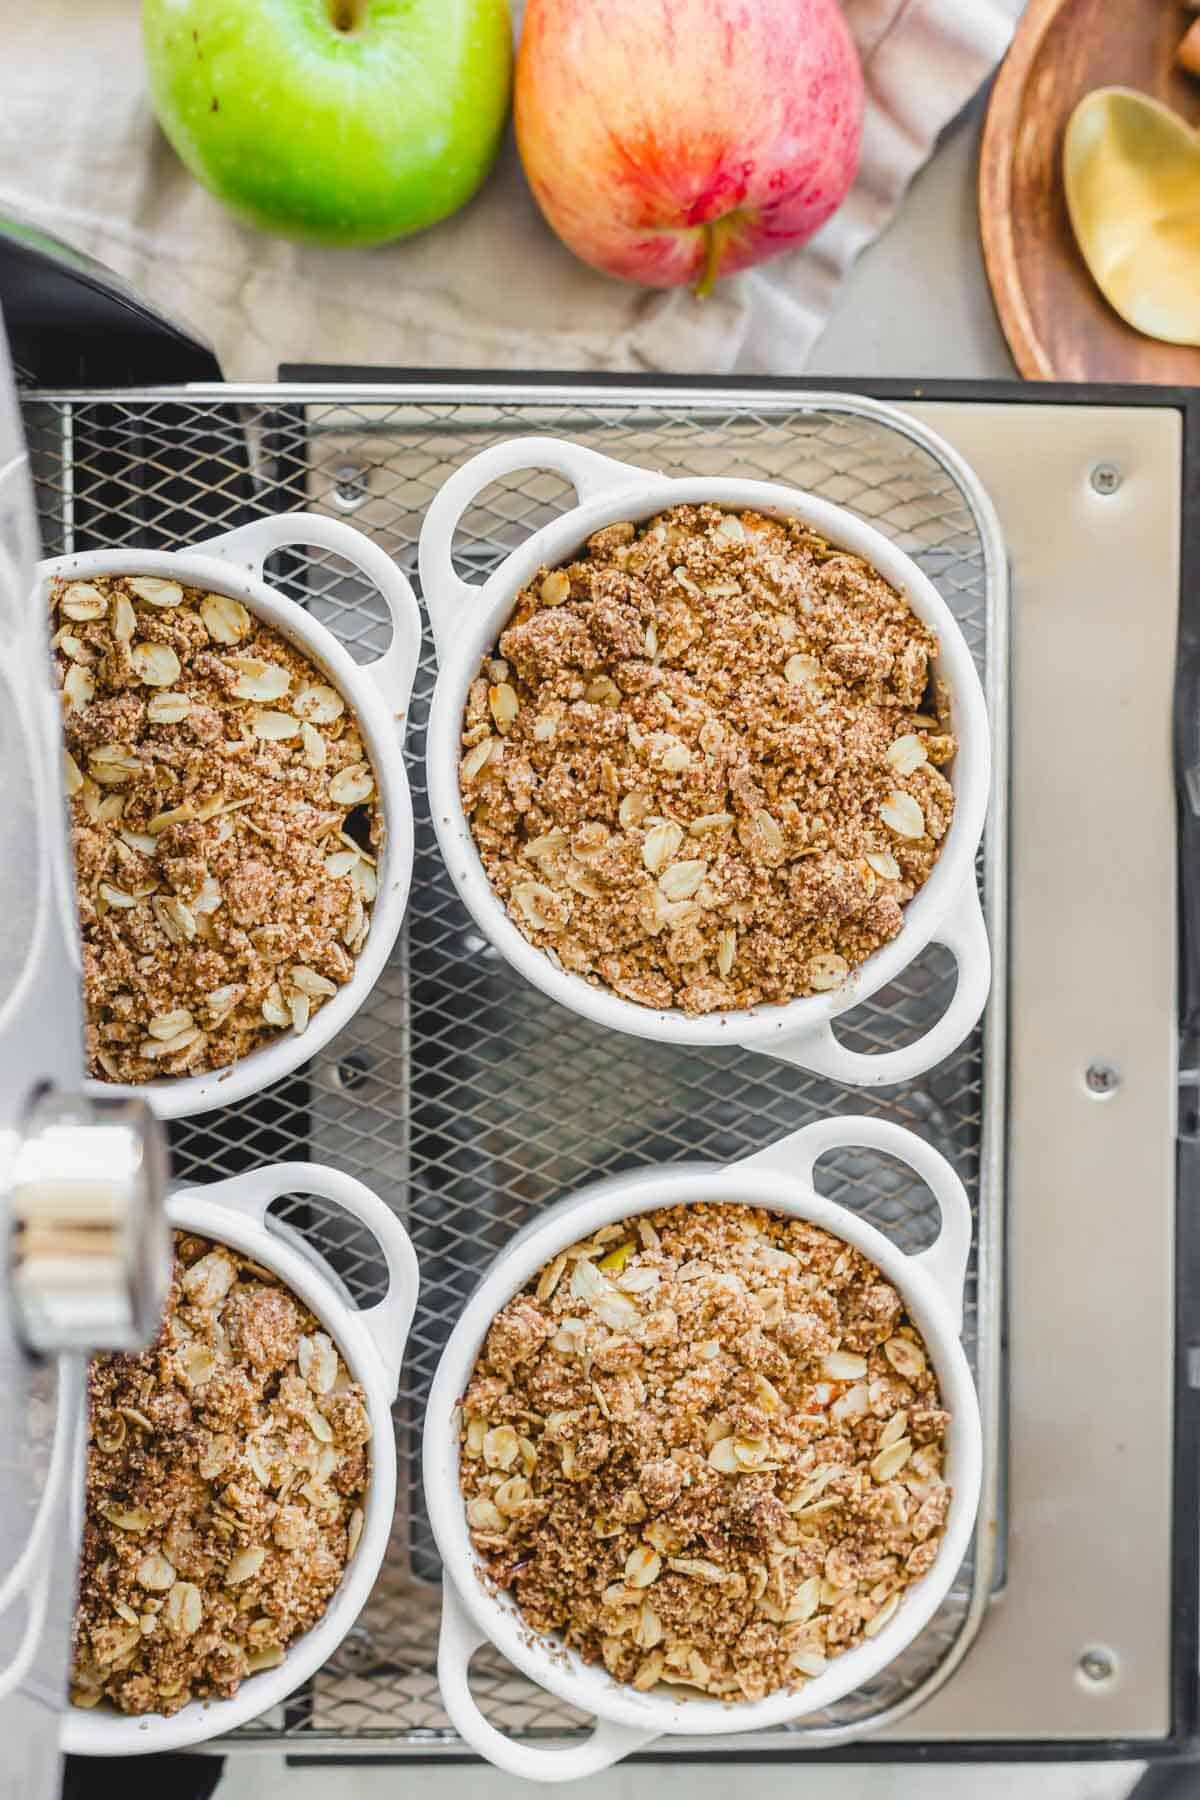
990, 1247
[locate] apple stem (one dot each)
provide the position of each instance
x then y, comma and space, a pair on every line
346, 15
716, 234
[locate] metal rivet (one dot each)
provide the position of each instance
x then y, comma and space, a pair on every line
354, 1069
1106, 478
1101, 1079
348, 1072
357, 1653
350, 486
1097, 1664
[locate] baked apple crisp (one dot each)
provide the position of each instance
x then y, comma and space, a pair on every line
213, 773
706, 1448
226, 1470
702, 766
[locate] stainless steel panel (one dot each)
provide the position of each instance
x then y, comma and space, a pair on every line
1092, 980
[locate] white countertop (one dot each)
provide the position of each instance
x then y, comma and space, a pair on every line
917, 302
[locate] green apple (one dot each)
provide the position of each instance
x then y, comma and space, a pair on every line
333, 121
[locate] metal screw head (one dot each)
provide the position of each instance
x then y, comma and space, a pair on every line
350, 487
358, 1653
342, 1074
1101, 1079
1097, 1664
1106, 478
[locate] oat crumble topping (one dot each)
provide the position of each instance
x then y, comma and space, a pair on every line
705, 1447
226, 1471
702, 766
212, 773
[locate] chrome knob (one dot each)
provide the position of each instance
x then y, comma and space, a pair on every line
89, 1245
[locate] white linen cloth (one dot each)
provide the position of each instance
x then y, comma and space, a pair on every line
80, 153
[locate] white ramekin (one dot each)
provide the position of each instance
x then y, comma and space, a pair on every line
780, 1179
467, 619
234, 1212
376, 693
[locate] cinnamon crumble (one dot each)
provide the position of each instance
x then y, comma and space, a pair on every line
706, 1447
702, 765
226, 1471
213, 773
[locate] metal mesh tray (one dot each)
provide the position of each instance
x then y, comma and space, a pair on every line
460, 1094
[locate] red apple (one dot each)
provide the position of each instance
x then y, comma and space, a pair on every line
672, 141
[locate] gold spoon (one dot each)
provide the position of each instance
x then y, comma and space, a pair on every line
1131, 169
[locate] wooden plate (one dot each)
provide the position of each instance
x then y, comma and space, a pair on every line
1058, 324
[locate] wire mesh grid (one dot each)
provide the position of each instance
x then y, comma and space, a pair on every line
463, 1096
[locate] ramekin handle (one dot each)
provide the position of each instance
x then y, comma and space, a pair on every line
249, 546
964, 934
590, 474
389, 1320
945, 1262
460, 1637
